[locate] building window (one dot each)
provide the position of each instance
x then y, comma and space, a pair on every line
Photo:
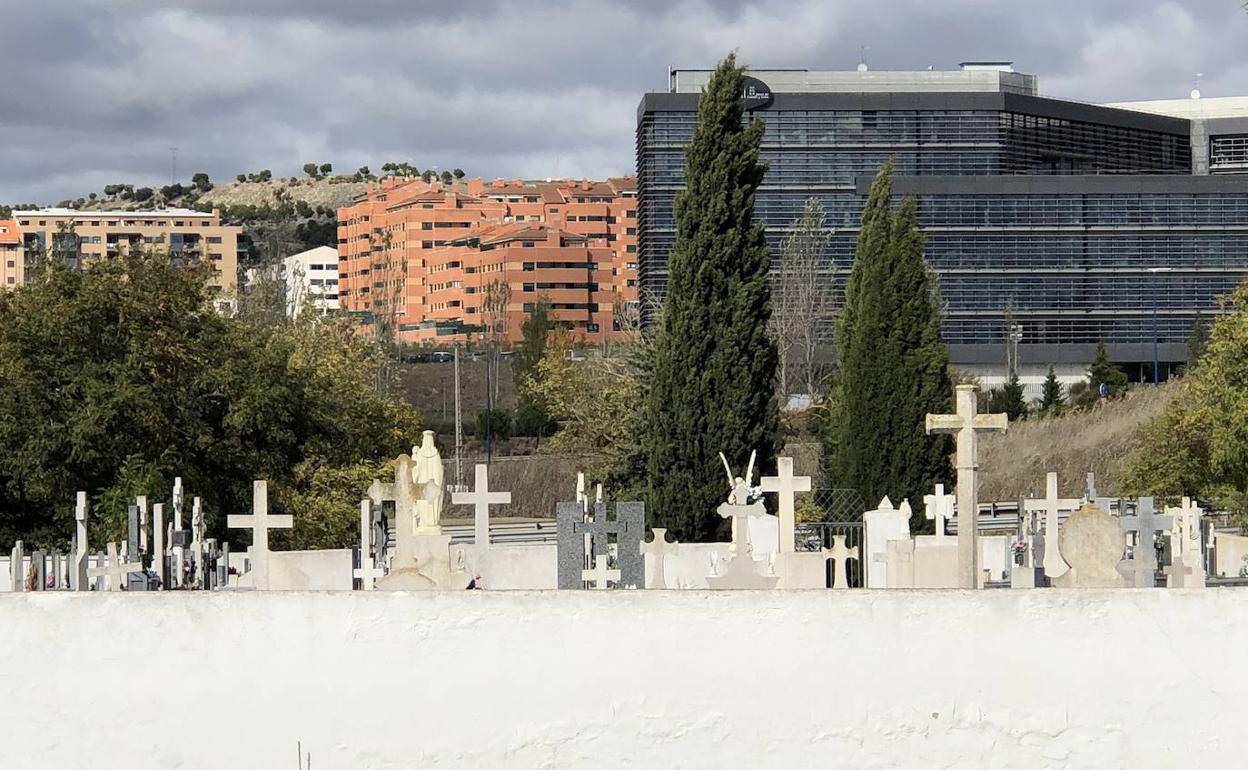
529, 287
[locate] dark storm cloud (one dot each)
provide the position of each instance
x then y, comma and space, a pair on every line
98, 90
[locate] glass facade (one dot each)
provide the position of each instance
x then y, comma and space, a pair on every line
1060, 214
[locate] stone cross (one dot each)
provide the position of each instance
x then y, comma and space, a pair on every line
1054, 565
658, 549
17, 567
1142, 569
179, 551
938, 508
966, 425
260, 522
786, 485
481, 498
581, 496
600, 575
1178, 574
367, 573
141, 502
741, 515
116, 572
134, 546
1185, 539
1090, 492
158, 545
197, 540
840, 555
78, 571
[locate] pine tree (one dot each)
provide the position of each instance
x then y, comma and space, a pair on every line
1009, 399
714, 364
893, 367
1053, 400
1102, 372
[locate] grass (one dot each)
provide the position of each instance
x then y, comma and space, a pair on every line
1101, 440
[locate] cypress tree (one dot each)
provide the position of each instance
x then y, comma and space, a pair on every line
713, 366
1102, 372
1052, 400
1009, 399
893, 367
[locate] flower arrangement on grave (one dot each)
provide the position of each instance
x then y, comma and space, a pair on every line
1019, 548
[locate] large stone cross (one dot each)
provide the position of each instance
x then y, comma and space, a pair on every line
659, 548
966, 425
116, 572
367, 573
1142, 569
938, 508
786, 485
1185, 539
839, 556
78, 571
481, 498
260, 522
600, 575
1054, 564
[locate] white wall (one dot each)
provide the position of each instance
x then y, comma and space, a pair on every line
474, 679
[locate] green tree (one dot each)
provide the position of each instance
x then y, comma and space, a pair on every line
1053, 400
1009, 399
447, 177
1197, 340
327, 169
310, 170
1101, 372
535, 331
714, 365
201, 182
458, 173
241, 178
893, 367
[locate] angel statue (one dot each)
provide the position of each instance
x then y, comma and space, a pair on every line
740, 490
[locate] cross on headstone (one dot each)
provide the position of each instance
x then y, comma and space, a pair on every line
786, 485
966, 425
260, 522
367, 573
117, 572
574, 528
481, 498
840, 555
658, 549
78, 570
938, 508
1142, 569
600, 575
1054, 565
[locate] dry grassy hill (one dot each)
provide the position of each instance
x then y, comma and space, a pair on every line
1014, 464
333, 193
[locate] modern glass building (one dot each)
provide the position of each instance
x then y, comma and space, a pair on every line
1119, 224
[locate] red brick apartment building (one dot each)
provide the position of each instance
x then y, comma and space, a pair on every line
423, 255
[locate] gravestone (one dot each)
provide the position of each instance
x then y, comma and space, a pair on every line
1141, 569
367, 573
39, 571
839, 556
17, 567
939, 508
1092, 544
178, 541
658, 550
600, 577
785, 485
627, 527
481, 498
144, 545
966, 425
1185, 546
882, 525
422, 557
160, 562
1022, 553
117, 572
259, 522
133, 549
1051, 506
78, 570
197, 542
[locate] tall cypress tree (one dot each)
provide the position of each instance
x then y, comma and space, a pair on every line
1053, 400
893, 367
713, 368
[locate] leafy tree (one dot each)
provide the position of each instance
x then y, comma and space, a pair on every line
118, 378
241, 178
714, 364
326, 169
1197, 340
311, 170
500, 424
535, 330
364, 172
171, 191
1052, 401
1100, 372
143, 194
1009, 399
428, 175
447, 177
893, 362
458, 173
201, 182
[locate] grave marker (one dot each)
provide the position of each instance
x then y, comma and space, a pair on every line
367, 573
1053, 563
158, 545
840, 555
785, 485
938, 508
1141, 570
117, 572
658, 549
78, 569
481, 498
260, 522
600, 576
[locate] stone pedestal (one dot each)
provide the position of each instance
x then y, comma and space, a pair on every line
423, 563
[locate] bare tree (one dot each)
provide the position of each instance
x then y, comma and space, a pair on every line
802, 304
494, 307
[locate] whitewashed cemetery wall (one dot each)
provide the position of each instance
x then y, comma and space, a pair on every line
473, 679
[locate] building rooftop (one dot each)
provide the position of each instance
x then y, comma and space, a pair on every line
986, 77
97, 214
1219, 107
8, 232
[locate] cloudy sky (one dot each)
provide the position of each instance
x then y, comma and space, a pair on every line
97, 91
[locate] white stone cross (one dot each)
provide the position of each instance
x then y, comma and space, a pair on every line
840, 555
966, 425
786, 485
1054, 564
197, 540
600, 575
116, 571
78, 573
179, 552
141, 502
658, 549
938, 508
367, 572
581, 497
1185, 539
741, 515
481, 498
260, 522
158, 544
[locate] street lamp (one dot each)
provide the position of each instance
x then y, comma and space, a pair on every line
1156, 365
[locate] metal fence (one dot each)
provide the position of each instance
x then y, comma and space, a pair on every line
813, 535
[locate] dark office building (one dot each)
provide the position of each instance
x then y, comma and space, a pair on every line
1095, 223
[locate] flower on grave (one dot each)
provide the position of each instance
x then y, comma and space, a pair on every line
1019, 546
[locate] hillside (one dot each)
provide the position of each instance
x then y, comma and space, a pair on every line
1014, 464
